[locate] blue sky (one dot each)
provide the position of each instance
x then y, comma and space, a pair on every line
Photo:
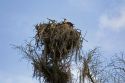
104, 21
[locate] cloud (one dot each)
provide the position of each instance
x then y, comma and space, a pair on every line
115, 21
110, 34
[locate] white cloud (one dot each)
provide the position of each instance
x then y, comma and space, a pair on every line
115, 21
110, 34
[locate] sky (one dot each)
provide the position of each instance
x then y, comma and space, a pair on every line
103, 20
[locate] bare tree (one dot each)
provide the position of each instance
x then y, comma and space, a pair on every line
92, 68
118, 68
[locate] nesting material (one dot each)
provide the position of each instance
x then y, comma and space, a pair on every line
59, 39
51, 56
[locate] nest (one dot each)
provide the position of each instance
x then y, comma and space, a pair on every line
59, 39
56, 44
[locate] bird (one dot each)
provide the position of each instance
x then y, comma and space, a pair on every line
52, 21
37, 27
67, 22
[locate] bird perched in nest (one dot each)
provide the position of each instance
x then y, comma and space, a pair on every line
67, 22
51, 21
37, 27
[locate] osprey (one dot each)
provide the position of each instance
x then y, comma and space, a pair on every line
52, 21
69, 23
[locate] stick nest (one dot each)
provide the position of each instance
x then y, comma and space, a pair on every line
60, 39
51, 56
